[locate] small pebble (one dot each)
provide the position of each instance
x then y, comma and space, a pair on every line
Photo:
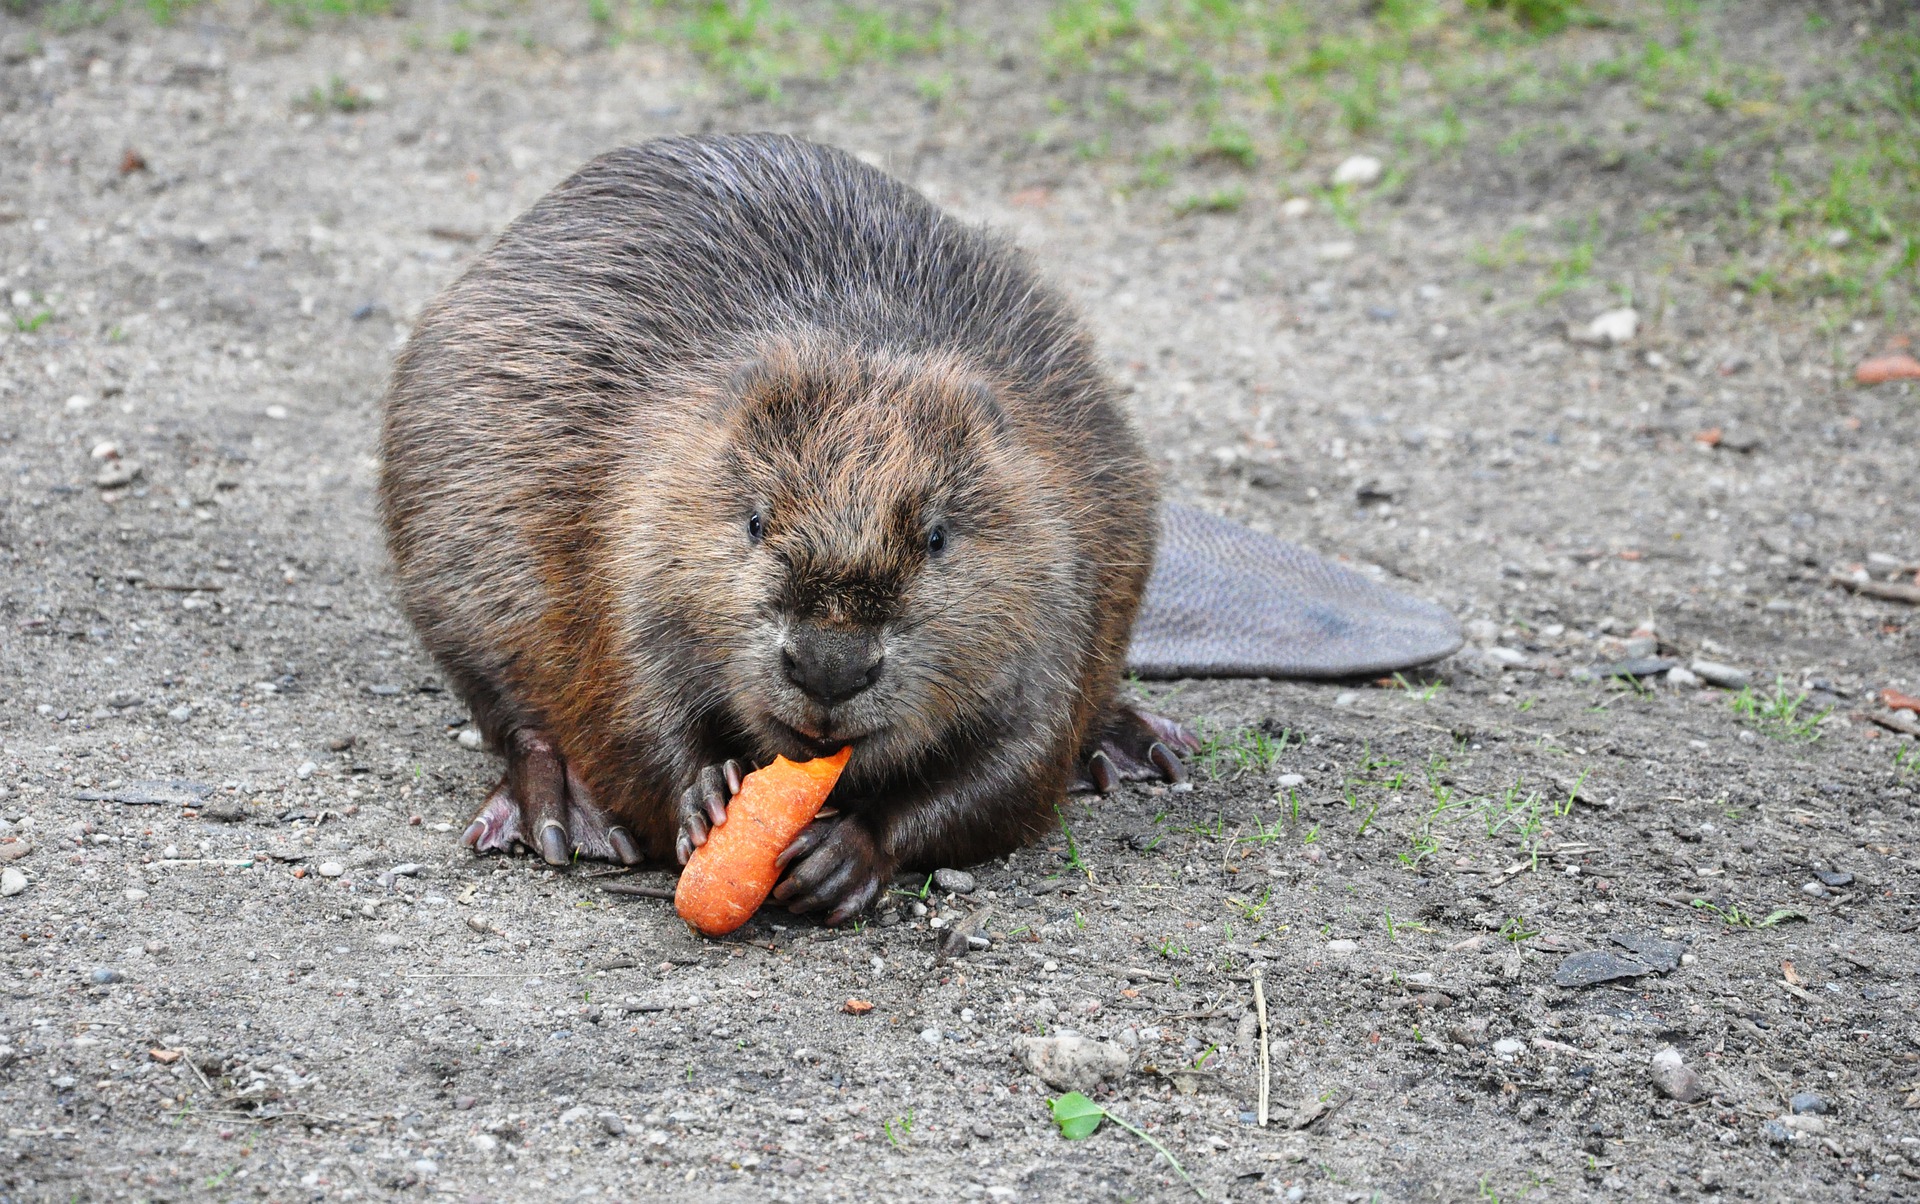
1808, 1103
1681, 678
12, 881
483, 1142
1359, 171
105, 975
136, 895
1776, 1133
611, 1122
957, 882
1290, 781
1509, 1047
305, 770
470, 738
1673, 1078
1343, 948
331, 869
1834, 877
930, 1035
181, 713
1726, 677
1611, 328
1814, 890
1295, 207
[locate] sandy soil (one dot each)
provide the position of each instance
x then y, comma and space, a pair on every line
222, 746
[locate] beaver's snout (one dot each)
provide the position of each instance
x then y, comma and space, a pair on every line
831, 665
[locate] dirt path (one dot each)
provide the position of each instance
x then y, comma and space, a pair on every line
250, 962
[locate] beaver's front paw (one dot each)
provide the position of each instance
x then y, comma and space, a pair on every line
834, 865
703, 805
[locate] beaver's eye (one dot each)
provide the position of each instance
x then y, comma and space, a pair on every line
936, 541
756, 529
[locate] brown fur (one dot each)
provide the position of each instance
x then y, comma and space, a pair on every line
689, 333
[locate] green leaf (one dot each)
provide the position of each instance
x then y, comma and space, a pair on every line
1780, 915
1076, 1115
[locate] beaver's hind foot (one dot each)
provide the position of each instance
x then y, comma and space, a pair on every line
1137, 746
542, 805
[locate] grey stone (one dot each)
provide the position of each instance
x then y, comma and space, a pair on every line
1071, 1062
172, 792
611, 1122
1809, 1103
1659, 955
1776, 1133
1834, 877
1638, 667
1673, 1078
1591, 967
106, 975
1724, 676
958, 882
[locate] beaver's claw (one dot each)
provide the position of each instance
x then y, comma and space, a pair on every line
1137, 746
541, 804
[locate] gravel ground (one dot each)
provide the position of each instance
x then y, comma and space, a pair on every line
250, 962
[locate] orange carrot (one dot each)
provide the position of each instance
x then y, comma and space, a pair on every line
727, 878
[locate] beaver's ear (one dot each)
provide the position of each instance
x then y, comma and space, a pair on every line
985, 401
772, 391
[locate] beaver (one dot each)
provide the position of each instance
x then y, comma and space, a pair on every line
734, 447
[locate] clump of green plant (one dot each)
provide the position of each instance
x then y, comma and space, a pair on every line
1230, 753
338, 96
1078, 1117
1777, 714
1220, 200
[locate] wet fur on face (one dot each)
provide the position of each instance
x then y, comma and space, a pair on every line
851, 461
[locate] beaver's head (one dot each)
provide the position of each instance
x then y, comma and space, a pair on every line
871, 556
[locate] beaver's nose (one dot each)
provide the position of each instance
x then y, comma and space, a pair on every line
830, 665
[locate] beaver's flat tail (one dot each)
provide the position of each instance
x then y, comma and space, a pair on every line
1228, 602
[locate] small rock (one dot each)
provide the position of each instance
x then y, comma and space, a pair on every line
1346, 698
1776, 1133
181, 713
1290, 781
1660, 955
470, 738
1808, 1103
1509, 1047
1331, 251
118, 474
1673, 1078
331, 869
340, 744
1834, 877
1359, 171
1295, 207
1813, 890
1343, 948
1506, 658
1071, 1062
1682, 678
1594, 966
1638, 667
426, 1168
483, 1143
1726, 677
305, 770
106, 975
136, 895
611, 1122
930, 1035
1611, 328
1810, 1125
957, 882
12, 881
